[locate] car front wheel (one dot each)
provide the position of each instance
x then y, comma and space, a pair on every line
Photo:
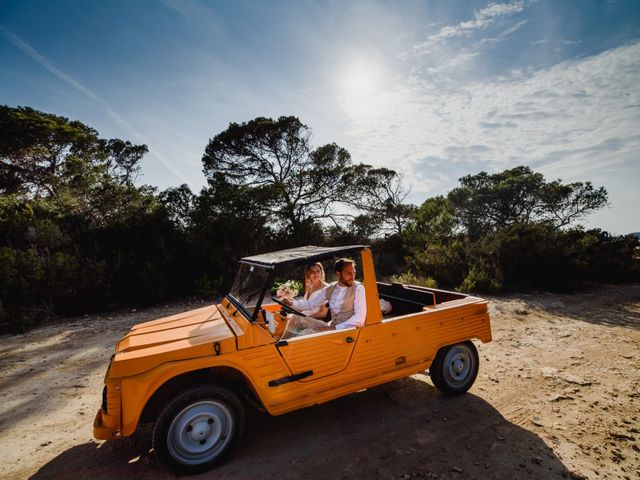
198, 429
455, 368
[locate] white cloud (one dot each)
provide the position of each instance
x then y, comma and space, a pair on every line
464, 57
446, 61
454, 63
541, 42
481, 20
576, 120
507, 32
496, 10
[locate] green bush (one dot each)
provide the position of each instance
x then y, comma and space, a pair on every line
22, 276
409, 278
478, 280
208, 287
446, 262
521, 257
77, 234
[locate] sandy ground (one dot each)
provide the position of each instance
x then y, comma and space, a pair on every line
557, 397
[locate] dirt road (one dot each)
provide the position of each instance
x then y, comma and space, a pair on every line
558, 396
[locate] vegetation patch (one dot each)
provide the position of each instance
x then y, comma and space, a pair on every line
79, 233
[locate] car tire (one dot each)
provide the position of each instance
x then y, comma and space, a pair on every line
455, 368
198, 429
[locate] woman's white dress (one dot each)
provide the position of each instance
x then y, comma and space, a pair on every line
308, 313
298, 326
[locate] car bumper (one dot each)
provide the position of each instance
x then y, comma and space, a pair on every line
102, 431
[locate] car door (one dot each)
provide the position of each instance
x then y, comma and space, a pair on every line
316, 356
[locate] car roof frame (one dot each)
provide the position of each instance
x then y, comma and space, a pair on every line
299, 255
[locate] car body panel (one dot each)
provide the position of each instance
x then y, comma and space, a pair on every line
324, 355
172, 339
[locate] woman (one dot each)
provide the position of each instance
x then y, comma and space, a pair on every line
314, 283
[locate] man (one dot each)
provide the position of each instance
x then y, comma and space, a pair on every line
347, 303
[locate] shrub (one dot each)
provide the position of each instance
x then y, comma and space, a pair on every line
446, 262
208, 287
409, 278
479, 280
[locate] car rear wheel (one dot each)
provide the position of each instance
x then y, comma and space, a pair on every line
198, 429
455, 368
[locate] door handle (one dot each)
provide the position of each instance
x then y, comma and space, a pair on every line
341, 342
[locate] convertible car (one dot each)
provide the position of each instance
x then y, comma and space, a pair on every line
194, 373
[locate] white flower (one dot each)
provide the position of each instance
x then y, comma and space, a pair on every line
287, 290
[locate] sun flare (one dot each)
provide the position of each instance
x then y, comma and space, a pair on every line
361, 79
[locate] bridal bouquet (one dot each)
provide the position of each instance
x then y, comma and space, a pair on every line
287, 290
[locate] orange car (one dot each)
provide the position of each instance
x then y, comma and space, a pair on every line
192, 373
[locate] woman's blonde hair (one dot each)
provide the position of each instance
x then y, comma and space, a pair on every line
307, 275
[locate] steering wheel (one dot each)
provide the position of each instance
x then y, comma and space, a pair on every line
286, 307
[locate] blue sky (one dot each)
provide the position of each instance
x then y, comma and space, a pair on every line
435, 89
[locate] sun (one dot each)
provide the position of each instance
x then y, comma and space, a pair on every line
361, 79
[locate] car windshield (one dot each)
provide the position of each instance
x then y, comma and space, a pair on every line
248, 286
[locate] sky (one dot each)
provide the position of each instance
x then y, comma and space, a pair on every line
433, 89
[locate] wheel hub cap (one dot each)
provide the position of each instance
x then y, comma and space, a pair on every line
457, 366
200, 431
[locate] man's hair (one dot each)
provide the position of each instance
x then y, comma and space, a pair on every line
340, 263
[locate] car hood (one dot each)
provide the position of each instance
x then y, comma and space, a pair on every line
186, 335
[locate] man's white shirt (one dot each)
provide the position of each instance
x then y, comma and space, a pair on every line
335, 304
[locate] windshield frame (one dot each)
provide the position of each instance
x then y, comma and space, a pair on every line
242, 307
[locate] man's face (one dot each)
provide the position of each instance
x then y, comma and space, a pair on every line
348, 275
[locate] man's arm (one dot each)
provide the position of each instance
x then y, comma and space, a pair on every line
310, 304
359, 311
